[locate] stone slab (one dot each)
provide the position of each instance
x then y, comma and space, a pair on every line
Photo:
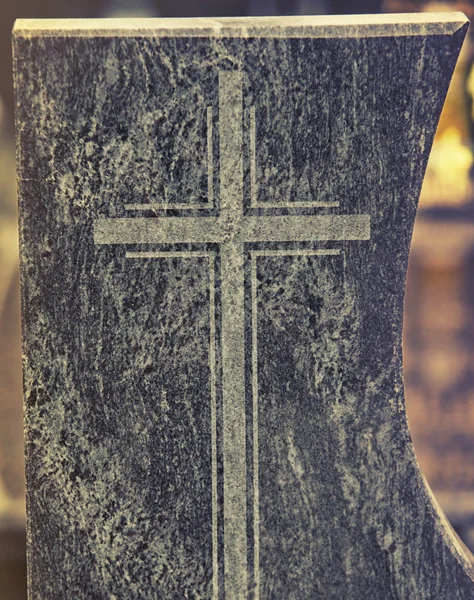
215, 221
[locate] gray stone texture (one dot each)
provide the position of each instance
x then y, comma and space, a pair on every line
215, 221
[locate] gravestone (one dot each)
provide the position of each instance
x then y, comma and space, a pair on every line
215, 220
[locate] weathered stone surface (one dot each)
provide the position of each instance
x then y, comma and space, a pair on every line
215, 224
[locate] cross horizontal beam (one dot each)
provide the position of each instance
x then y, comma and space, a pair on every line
195, 230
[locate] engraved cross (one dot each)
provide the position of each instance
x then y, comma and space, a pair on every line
231, 230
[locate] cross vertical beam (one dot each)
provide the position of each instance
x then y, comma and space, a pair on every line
233, 331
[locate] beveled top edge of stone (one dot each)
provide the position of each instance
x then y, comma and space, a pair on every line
378, 25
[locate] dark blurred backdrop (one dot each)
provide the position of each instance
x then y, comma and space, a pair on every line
439, 310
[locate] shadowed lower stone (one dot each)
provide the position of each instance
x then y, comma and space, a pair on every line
215, 221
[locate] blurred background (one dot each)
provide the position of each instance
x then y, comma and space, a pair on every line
439, 311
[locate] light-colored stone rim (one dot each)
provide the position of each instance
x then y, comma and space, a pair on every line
379, 25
